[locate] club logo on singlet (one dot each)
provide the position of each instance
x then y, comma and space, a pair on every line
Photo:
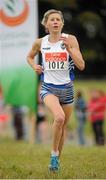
62, 46
56, 61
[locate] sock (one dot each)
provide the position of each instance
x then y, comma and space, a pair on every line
55, 153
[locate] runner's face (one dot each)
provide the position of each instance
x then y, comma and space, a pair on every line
54, 23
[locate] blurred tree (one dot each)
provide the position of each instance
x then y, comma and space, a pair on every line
93, 29
86, 20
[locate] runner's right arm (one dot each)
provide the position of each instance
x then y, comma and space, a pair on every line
31, 55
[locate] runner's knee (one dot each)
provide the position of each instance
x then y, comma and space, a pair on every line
60, 119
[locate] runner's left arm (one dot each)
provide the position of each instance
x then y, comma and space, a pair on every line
72, 47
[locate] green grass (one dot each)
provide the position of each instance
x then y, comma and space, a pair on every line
20, 160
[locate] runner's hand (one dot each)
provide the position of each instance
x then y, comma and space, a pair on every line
38, 68
66, 41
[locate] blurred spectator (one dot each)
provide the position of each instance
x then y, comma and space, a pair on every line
41, 122
96, 108
80, 112
3, 115
18, 121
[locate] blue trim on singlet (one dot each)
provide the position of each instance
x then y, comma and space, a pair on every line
71, 69
61, 86
42, 76
72, 75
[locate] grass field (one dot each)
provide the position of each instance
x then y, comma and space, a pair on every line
20, 160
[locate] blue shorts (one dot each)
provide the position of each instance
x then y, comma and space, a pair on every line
64, 92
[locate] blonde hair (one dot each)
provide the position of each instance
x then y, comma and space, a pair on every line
47, 13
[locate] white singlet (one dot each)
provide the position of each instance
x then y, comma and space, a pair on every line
55, 61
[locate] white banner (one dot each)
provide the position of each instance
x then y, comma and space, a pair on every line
18, 31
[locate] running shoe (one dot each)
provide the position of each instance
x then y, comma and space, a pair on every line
54, 163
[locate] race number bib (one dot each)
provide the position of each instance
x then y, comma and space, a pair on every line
56, 61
